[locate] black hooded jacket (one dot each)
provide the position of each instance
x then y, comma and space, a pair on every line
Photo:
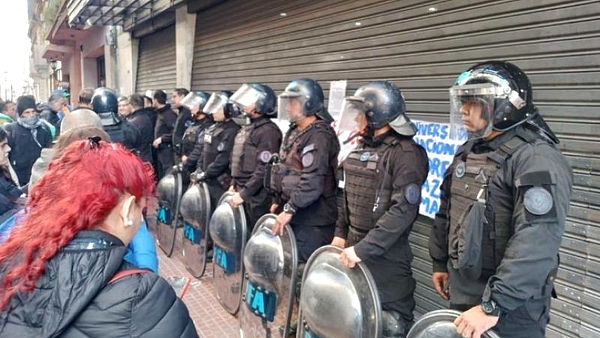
73, 298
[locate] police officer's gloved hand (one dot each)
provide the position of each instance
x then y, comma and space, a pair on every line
197, 176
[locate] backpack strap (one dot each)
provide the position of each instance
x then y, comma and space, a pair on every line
125, 273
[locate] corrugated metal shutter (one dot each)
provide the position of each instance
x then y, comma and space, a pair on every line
157, 61
556, 42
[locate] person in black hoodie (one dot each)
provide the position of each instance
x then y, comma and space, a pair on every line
142, 126
26, 137
184, 120
73, 281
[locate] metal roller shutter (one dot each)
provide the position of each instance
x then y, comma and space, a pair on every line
157, 61
556, 42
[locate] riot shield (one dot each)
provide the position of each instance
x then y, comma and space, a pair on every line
228, 232
337, 301
271, 264
195, 211
169, 191
440, 323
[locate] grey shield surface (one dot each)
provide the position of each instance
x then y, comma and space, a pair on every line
337, 301
271, 264
440, 323
228, 232
169, 191
195, 212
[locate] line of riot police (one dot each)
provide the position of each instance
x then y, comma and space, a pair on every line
269, 205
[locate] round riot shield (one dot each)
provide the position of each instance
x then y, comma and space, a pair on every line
195, 212
337, 301
271, 268
440, 323
169, 191
228, 232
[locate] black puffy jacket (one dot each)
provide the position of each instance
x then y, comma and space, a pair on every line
74, 299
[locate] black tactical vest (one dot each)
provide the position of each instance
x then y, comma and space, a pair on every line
244, 154
479, 230
211, 143
367, 190
116, 132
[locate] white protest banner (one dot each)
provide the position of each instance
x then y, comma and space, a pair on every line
440, 147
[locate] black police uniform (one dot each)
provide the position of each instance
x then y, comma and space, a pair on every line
192, 134
252, 150
499, 227
218, 143
306, 180
383, 178
184, 121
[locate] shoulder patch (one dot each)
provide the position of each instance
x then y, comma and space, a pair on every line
265, 156
460, 169
308, 148
365, 156
412, 193
538, 201
221, 146
308, 159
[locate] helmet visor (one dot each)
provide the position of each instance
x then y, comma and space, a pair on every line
352, 115
191, 100
214, 103
246, 97
290, 107
472, 110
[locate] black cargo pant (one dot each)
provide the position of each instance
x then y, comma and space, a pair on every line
527, 321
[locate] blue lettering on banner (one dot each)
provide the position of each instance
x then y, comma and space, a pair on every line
191, 233
437, 140
260, 301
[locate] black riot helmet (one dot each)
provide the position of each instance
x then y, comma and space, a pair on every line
307, 96
104, 103
381, 103
262, 96
104, 100
500, 88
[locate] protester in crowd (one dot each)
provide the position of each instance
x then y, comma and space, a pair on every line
4, 118
52, 112
123, 106
75, 274
26, 137
184, 120
9, 189
85, 98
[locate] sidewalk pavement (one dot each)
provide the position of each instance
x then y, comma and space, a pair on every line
211, 320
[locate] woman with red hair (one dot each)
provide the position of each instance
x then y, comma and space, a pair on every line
62, 271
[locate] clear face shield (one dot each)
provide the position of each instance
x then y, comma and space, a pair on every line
215, 105
290, 107
352, 115
472, 110
192, 101
246, 97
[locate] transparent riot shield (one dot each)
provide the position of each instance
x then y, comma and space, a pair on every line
271, 268
228, 232
169, 191
195, 211
440, 323
337, 301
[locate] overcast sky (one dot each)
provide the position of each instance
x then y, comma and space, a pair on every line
15, 45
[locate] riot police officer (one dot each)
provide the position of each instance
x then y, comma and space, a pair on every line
254, 144
382, 177
194, 134
304, 179
504, 200
105, 104
218, 143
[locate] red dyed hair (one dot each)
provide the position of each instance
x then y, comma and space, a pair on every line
77, 193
